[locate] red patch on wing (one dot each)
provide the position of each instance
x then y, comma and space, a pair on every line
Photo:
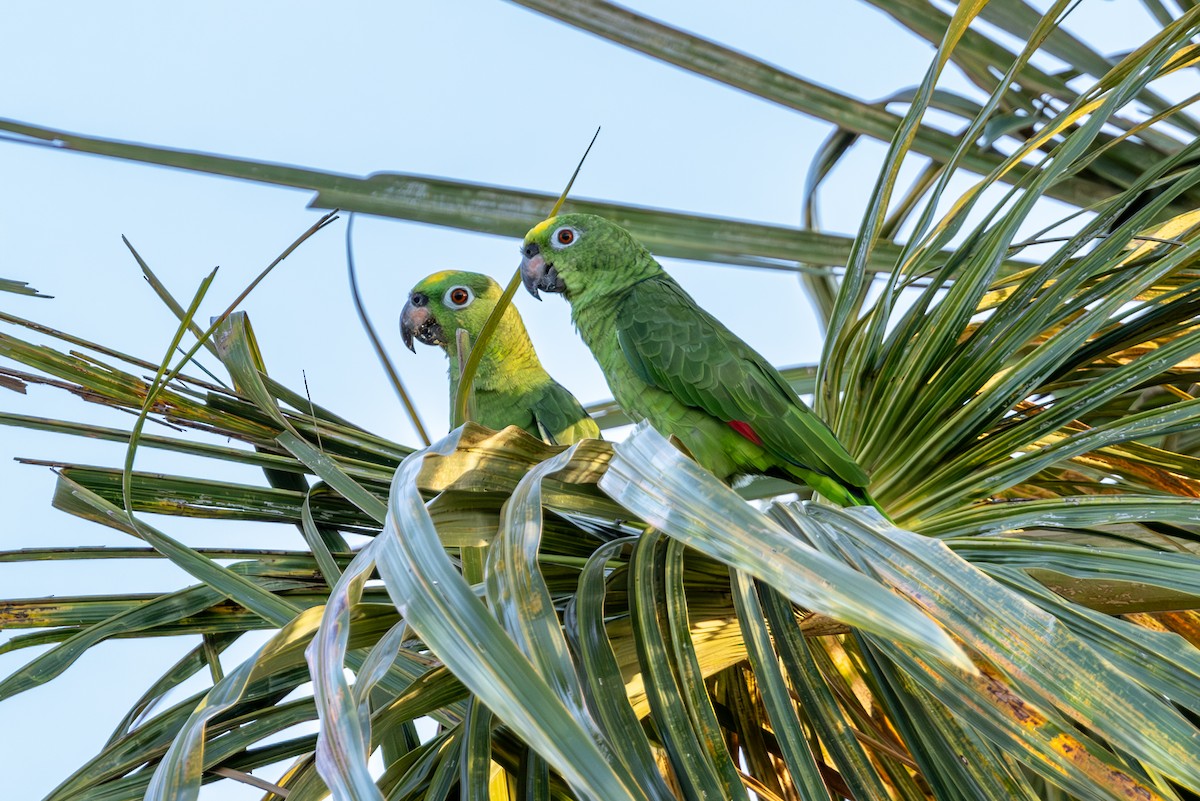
745, 430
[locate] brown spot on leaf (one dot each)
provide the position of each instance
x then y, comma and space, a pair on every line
1003, 696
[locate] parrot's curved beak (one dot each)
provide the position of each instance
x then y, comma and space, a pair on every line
416, 321
537, 274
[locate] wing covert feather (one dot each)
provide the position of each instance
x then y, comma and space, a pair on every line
561, 417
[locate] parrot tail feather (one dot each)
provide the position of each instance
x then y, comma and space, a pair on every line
840, 493
869, 500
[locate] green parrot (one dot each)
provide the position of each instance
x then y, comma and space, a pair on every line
511, 386
669, 361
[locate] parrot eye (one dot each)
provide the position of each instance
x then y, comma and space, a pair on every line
563, 237
458, 297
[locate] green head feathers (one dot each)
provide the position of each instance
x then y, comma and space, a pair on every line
583, 256
442, 303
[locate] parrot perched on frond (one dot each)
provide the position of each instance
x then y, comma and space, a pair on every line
670, 362
511, 386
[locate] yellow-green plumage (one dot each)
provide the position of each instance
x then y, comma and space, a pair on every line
511, 387
670, 362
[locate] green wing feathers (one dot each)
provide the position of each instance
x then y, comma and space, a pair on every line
673, 344
560, 418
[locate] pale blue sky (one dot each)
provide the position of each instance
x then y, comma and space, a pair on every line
479, 90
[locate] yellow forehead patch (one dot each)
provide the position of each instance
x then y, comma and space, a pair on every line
438, 277
540, 228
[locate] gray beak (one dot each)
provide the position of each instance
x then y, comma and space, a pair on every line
537, 274
416, 321
406, 327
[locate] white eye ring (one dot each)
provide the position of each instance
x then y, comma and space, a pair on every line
567, 233
448, 298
